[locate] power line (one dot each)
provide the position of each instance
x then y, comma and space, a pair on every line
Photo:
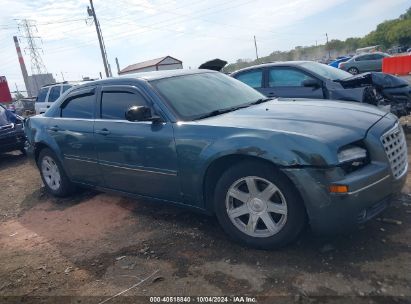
26, 27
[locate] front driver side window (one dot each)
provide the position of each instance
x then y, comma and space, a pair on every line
285, 77
253, 79
115, 104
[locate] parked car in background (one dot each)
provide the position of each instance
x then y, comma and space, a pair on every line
397, 50
371, 62
25, 106
338, 60
202, 139
49, 94
308, 79
11, 131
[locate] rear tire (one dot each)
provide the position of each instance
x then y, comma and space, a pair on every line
53, 175
258, 206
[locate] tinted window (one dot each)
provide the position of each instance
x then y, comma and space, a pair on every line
376, 56
79, 107
115, 104
364, 58
195, 95
253, 79
41, 97
65, 88
283, 77
54, 93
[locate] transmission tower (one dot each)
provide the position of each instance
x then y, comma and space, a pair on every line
27, 28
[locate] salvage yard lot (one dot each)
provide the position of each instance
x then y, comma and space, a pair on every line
97, 244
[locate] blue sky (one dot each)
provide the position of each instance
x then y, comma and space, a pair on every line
192, 31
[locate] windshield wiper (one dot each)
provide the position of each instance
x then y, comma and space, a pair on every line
222, 111
261, 100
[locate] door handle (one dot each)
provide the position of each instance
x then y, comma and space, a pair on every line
54, 128
103, 131
271, 94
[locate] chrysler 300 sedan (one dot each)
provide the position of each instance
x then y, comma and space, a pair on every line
204, 140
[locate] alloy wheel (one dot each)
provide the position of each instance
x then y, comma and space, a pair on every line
51, 173
256, 206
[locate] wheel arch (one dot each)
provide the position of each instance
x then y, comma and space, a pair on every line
223, 163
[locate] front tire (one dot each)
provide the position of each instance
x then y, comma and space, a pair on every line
258, 206
353, 71
53, 174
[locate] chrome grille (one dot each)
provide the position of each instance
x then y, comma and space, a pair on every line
395, 146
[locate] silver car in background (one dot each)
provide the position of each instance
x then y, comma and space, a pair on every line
371, 62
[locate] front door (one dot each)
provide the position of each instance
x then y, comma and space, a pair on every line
135, 157
288, 82
73, 133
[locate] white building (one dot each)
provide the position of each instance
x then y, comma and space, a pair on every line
159, 64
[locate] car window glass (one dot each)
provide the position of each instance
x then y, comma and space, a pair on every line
282, 77
79, 107
41, 97
115, 104
364, 58
65, 88
54, 93
253, 79
376, 56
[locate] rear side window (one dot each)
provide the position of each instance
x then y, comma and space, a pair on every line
54, 93
79, 107
253, 79
41, 97
115, 104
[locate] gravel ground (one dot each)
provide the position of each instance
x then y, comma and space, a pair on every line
93, 246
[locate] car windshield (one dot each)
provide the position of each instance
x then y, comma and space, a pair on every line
326, 71
196, 95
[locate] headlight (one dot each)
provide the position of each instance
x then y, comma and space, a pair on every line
352, 158
351, 153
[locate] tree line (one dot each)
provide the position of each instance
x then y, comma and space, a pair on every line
396, 32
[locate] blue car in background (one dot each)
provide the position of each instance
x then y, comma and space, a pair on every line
337, 61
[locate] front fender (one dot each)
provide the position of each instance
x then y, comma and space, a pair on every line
196, 154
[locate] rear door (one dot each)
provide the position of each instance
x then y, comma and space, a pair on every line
73, 132
136, 157
288, 82
376, 62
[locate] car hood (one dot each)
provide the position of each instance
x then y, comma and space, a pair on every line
377, 79
328, 121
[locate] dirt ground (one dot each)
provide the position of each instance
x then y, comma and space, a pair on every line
94, 246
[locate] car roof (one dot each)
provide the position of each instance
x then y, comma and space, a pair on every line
270, 64
145, 76
362, 54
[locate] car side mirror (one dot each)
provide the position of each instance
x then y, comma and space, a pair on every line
141, 113
312, 83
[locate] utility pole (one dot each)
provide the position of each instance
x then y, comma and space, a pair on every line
256, 51
328, 47
118, 66
92, 13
